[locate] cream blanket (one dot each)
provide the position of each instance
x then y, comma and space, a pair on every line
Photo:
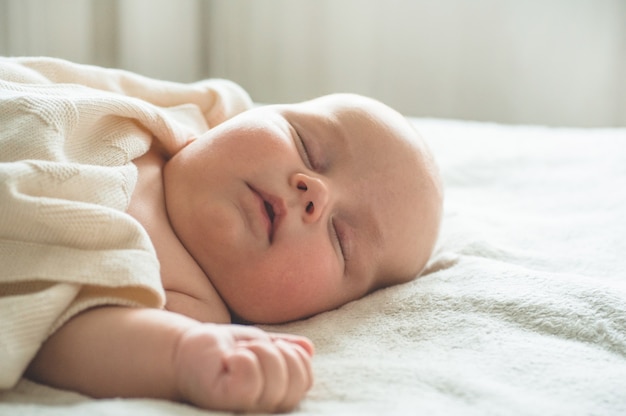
522, 310
68, 134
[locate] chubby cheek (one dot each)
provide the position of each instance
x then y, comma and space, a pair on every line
289, 288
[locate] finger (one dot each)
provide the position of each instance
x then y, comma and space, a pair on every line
303, 342
247, 333
242, 382
275, 374
300, 375
306, 357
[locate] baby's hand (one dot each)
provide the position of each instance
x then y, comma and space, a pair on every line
240, 368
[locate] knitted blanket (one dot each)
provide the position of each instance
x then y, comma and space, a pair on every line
68, 135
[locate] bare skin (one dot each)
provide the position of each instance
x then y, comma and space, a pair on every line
277, 214
124, 352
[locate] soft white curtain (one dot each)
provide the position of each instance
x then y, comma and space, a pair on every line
558, 62
159, 38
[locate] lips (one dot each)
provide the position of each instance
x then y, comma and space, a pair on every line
271, 208
270, 211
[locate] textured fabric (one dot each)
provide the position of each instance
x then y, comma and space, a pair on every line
68, 135
521, 311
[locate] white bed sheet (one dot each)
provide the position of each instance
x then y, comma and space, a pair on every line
521, 311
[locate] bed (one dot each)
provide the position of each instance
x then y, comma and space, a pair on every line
521, 310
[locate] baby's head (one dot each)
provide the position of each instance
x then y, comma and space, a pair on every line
296, 209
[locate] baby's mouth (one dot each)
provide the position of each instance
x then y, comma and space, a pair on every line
274, 209
270, 211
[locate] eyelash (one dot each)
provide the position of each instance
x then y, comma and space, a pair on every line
307, 155
337, 236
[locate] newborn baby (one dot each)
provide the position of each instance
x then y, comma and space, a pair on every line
271, 215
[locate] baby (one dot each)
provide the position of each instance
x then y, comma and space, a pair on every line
278, 213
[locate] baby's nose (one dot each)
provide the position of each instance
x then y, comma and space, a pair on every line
312, 196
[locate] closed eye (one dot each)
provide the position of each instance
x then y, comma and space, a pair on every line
301, 144
340, 240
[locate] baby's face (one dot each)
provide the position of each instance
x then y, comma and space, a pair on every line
292, 210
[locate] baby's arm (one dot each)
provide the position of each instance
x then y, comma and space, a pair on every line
126, 352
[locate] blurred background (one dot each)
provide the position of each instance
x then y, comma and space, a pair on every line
551, 62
